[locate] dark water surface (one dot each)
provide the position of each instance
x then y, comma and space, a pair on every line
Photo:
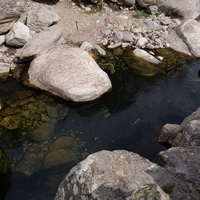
129, 117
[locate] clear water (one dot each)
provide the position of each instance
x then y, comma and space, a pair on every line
129, 117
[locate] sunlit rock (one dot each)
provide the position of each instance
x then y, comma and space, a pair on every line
70, 73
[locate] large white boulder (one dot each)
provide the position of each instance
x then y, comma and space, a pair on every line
70, 73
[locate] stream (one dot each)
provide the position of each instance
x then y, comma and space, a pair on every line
129, 117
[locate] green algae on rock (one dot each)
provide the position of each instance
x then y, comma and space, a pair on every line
171, 60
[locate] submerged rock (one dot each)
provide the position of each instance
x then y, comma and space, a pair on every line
10, 11
41, 17
5, 166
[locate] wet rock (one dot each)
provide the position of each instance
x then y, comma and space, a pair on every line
51, 111
41, 17
43, 133
77, 78
115, 175
64, 142
60, 157
12, 122
18, 35
2, 39
29, 165
5, 166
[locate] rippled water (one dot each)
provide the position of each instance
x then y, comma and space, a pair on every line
129, 117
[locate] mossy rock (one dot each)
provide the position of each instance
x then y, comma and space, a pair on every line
171, 60
5, 166
11, 122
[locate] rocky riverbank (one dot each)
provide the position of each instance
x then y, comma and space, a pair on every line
54, 38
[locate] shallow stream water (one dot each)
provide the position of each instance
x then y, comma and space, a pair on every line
129, 117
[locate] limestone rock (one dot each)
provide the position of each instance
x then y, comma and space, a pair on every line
70, 73
5, 166
141, 42
113, 175
41, 17
43, 133
10, 11
18, 35
41, 43
64, 142
11, 122
146, 56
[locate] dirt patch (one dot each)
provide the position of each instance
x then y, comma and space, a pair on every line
79, 25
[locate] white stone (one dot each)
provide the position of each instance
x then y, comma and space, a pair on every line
18, 35
146, 56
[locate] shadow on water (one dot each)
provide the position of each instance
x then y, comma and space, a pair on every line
129, 117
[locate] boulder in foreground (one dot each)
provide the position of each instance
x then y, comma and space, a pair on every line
116, 175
